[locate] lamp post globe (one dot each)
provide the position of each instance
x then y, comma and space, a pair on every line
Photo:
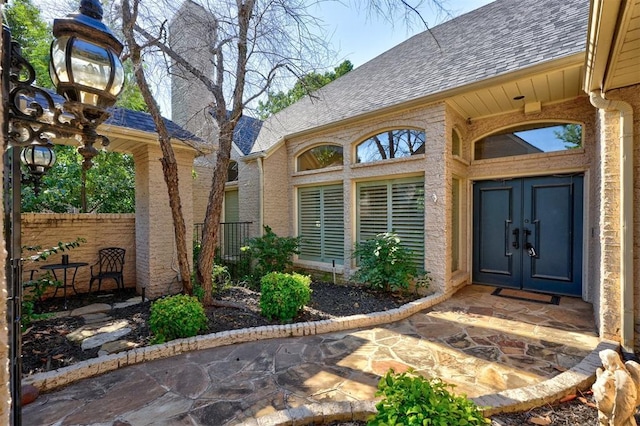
85, 66
38, 158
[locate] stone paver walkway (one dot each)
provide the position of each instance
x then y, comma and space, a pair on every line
481, 343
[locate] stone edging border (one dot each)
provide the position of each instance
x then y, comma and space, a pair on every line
50, 380
579, 377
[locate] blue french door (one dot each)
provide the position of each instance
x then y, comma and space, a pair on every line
528, 234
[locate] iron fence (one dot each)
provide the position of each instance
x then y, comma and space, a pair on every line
232, 237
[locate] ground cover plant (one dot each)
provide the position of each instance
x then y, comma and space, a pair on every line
410, 399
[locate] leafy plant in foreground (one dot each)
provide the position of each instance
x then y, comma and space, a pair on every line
37, 289
271, 253
385, 264
176, 317
410, 399
283, 295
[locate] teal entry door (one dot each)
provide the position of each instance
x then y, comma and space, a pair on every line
527, 234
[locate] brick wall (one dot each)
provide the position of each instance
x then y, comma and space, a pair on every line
99, 231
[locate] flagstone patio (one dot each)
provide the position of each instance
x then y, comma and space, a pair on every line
481, 343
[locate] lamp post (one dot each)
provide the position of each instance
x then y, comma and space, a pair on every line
88, 74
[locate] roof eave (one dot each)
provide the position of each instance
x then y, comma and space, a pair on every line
603, 21
548, 66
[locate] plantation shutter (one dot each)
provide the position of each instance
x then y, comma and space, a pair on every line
232, 243
321, 223
407, 219
333, 224
373, 211
393, 206
231, 206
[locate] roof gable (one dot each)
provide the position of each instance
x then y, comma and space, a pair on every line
499, 38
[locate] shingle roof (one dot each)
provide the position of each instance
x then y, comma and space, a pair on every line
133, 120
143, 121
246, 133
501, 37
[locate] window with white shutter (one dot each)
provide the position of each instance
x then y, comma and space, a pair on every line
393, 206
321, 223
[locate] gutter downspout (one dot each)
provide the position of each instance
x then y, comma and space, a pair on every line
626, 214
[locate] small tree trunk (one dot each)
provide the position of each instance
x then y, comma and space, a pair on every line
213, 214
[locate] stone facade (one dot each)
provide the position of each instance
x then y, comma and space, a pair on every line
438, 166
156, 255
99, 231
609, 227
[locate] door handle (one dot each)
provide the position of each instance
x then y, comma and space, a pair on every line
531, 250
516, 238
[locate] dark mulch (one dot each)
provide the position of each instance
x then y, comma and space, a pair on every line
45, 346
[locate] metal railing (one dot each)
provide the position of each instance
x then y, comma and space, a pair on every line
232, 237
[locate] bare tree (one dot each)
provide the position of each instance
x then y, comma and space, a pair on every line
249, 44
245, 47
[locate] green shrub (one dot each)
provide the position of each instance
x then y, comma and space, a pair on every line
283, 295
410, 399
175, 317
271, 253
384, 263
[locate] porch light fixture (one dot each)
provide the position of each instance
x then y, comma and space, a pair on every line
38, 159
86, 70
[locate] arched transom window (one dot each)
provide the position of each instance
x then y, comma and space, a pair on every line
530, 139
320, 157
396, 143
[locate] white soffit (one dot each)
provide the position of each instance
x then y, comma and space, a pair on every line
624, 68
545, 87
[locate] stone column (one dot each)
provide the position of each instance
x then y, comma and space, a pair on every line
436, 197
156, 255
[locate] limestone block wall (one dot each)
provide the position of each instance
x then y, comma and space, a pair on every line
99, 231
157, 264
276, 197
610, 238
431, 166
203, 169
609, 226
249, 194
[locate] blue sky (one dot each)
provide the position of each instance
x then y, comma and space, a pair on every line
359, 35
355, 32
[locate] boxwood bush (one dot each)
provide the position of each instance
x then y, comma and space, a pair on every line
283, 295
176, 317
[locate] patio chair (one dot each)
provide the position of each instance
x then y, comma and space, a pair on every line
109, 265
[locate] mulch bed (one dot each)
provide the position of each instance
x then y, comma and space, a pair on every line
45, 347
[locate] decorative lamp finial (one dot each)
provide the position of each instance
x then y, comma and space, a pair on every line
91, 8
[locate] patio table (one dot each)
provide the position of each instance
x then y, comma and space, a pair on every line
65, 267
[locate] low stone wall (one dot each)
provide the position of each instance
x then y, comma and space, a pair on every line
99, 231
